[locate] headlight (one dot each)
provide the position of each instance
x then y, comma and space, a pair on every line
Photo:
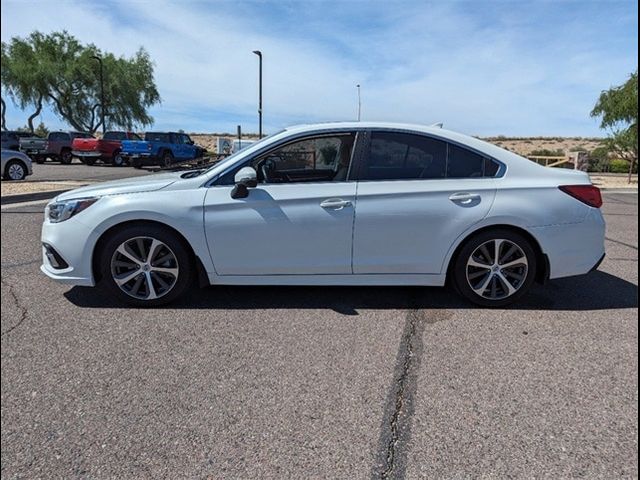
60, 211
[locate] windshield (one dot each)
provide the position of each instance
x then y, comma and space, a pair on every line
234, 155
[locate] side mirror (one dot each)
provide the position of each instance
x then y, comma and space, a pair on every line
246, 178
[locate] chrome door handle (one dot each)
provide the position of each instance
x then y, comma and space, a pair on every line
464, 197
335, 203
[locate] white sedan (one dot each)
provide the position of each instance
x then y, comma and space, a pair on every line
333, 204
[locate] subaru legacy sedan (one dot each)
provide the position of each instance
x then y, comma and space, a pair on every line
333, 204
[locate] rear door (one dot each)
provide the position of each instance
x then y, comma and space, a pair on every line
416, 195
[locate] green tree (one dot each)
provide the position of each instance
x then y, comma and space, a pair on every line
618, 110
57, 70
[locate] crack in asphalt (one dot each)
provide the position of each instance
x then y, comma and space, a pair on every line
613, 199
396, 423
23, 310
401, 400
20, 264
635, 247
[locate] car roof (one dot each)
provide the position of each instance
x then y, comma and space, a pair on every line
514, 161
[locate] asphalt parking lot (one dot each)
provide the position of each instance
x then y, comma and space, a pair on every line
257, 382
54, 171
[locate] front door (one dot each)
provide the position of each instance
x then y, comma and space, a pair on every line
297, 221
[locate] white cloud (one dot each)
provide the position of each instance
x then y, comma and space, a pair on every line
477, 73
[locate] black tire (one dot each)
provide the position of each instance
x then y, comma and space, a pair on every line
136, 163
183, 258
66, 157
520, 276
117, 160
40, 160
14, 170
166, 159
89, 161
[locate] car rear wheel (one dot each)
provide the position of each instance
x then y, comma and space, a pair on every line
66, 157
146, 266
118, 160
15, 170
495, 268
89, 161
40, 160
166, 159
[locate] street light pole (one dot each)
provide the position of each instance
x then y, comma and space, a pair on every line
259, 54
104, 126
359, 103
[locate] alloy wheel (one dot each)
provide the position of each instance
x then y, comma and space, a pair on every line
144, 268
497, 269
16, 171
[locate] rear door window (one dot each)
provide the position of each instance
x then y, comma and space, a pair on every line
404, 156
463, 163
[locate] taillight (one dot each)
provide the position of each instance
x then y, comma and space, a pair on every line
587, 194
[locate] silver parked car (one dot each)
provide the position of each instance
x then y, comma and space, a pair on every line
15, 165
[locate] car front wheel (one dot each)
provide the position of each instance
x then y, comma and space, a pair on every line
146, 266
118, 160
495, 268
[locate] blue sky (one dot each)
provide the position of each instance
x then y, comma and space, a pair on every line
481, 67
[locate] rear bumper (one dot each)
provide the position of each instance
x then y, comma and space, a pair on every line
35, 153
573, 249
87, 154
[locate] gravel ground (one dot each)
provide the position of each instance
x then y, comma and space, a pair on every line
281, 382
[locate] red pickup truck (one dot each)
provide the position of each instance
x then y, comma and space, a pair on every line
107, 149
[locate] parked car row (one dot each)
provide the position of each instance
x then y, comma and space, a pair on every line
118, 148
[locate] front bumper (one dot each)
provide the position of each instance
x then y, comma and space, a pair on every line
74, 242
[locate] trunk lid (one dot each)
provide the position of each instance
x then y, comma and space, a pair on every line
32, 143
85, 144
135, 146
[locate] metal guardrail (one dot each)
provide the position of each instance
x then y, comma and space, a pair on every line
550, 160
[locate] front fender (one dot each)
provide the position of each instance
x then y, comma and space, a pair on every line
181, 210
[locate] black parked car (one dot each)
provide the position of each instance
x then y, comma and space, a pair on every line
11, 139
